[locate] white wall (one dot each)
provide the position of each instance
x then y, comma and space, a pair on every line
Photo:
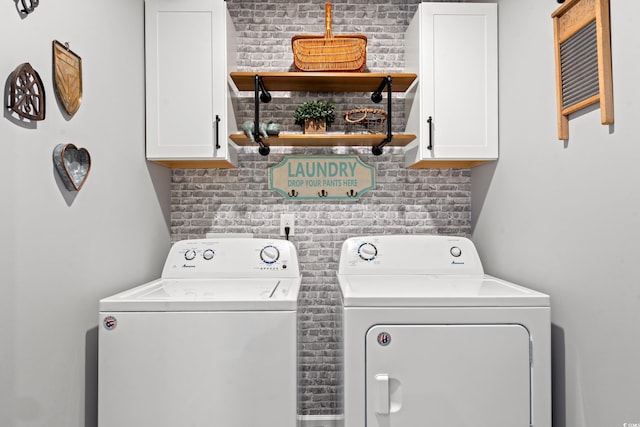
60, 252
563, 217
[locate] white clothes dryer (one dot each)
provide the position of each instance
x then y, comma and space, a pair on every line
212, 342
431, 340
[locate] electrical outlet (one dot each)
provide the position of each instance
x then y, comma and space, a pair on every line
286, 220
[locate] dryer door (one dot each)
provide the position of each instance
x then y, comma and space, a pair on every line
448, 376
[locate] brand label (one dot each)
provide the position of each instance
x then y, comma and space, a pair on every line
110, 323
384, 339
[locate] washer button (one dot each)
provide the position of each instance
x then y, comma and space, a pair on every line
455, 251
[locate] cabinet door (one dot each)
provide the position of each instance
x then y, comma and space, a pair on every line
186, 78
448, 376
459, 52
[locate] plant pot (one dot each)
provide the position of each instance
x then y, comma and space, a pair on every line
312, 126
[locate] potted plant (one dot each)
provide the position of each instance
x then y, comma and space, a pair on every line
314, 116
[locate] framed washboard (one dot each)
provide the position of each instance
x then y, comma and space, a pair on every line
583, 60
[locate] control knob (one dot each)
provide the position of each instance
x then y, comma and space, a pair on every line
269, 254
367, 251
455, 251
190, 254
208, 254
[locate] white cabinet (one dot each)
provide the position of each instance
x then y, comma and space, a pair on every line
453, 109
188, 107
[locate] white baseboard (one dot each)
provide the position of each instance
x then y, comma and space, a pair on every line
320, 420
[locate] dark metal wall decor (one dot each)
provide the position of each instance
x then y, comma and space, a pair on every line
67, 71
26, 97
28, 6
583, 60
72, 164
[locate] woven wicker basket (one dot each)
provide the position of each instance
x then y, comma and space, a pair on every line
345, 52
371, 120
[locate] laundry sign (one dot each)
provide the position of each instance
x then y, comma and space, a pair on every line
321, 177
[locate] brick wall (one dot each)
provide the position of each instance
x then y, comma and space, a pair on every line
433, 201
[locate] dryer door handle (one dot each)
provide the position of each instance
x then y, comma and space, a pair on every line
382, 388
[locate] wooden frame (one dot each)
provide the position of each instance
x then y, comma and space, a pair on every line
583, 60
67, 71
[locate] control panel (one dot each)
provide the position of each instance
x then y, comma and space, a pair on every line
232, 257
409, 254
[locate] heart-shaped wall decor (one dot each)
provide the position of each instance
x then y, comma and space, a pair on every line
73, 165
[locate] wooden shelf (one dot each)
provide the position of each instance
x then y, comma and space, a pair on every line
194, 163
446, 164
325, 82
326, 140
321, 82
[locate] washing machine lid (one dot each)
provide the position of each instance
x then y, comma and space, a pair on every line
436, 291
246, 294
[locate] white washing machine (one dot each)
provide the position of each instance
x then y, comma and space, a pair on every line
210, 343
430, 340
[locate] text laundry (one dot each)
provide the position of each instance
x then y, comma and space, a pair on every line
326, 169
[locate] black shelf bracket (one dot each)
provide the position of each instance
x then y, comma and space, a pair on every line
377, 97
261, 94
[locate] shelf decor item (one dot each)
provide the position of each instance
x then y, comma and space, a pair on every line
315, 127
67, 70
583, 60
314, 116
264, 129
72, 164
371, 120
26, 93
345, 52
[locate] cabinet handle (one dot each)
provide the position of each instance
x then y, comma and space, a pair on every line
217, 136
430, 120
